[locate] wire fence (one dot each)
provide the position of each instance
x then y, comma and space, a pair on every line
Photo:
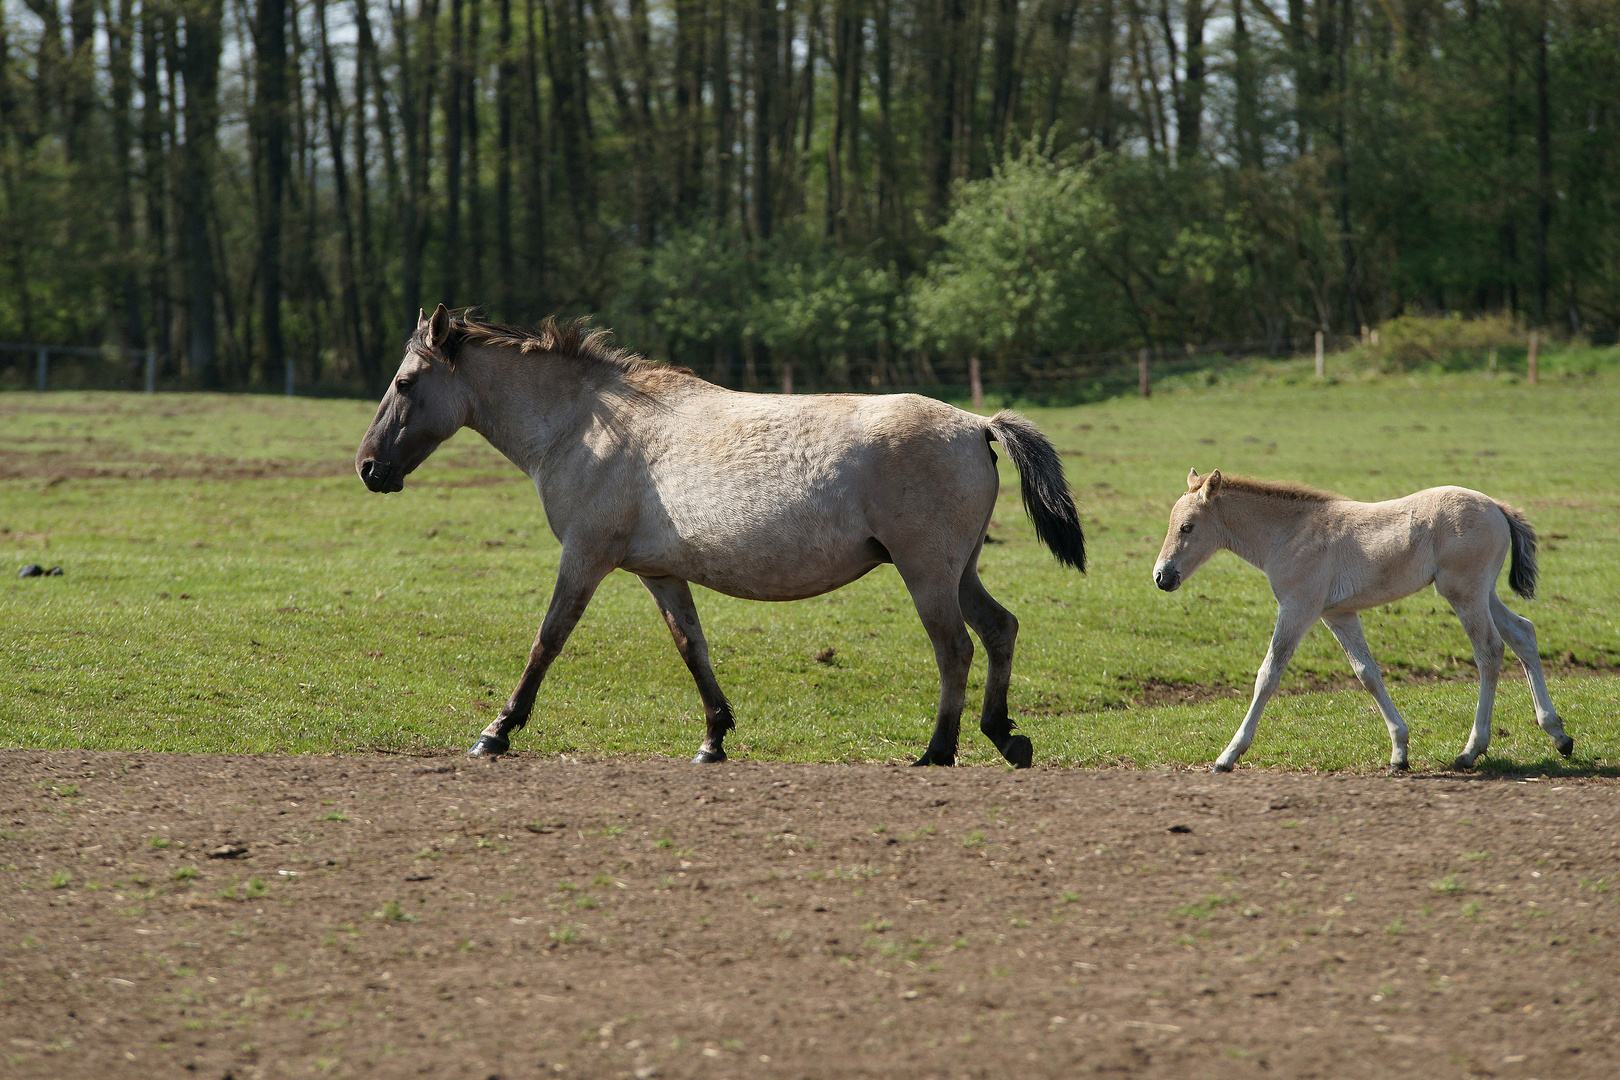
1067, 378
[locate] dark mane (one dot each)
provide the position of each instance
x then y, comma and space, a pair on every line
571, 338
1273, 488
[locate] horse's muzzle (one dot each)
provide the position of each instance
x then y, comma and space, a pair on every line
379, 477
1167, 577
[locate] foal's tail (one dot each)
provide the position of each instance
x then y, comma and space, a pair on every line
1522, 571
1046, 497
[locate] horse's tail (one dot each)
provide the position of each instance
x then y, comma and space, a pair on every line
1046, 496
1522, 571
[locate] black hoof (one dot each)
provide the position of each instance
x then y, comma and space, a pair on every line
1567, 747
931, 758
1462, 764
489, 746
1400, 769
1218, 767
1019, 751
705, 757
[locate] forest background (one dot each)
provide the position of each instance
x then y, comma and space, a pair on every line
872, 191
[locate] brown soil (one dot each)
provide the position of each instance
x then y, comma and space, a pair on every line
399, 916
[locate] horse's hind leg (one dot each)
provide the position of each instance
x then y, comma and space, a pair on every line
674, 599
1474, 612
998, 629
1347, 628
1520, 636
940, 608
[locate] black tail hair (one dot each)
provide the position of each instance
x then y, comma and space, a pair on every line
1046, 496
1522, 571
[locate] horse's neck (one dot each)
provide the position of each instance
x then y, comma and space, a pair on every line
526, 406
1256, 524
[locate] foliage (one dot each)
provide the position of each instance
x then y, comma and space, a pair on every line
1411, 341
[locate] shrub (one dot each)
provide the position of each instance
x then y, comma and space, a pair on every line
1412, 341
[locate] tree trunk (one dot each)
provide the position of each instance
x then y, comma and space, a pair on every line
371, 333
270, 109
1190, 105
121, 68
1005, 73
455, 73
1543, 163
201, 73
155, 183
474, 259
340, 183
765, 79
505, 87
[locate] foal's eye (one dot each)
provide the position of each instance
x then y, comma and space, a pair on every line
1186, 526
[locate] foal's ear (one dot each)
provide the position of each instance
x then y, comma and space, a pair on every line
1212, 484
1192, 479
438, 328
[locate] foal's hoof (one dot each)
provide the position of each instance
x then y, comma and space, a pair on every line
931, 758
1399, 768
1019, 751
490, 746
1566, 746
1218, 767
705, 756
1464, 763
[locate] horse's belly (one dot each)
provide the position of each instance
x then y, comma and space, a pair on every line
763, 575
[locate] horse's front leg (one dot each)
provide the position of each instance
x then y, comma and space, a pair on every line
1292, 623
576, 582
1347, 628
674, 598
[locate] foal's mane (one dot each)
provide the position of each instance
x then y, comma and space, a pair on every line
570, 338
1273, 488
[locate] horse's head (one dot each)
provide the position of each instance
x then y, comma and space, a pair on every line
1195, 532
427, 403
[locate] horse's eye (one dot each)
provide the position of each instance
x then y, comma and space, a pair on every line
1186, 526
403, 385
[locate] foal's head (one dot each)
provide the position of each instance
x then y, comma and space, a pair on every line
426, 404
1195, 532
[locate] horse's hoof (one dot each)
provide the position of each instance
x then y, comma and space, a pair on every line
1019, 751
1566, 746
490, 746
706, 756
929, 758
1399, 768
1464, 763
1218, 767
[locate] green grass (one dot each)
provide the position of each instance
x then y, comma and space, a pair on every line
230, 586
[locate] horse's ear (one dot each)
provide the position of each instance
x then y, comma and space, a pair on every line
421, 318
438, 328
1212, 485
1192, 479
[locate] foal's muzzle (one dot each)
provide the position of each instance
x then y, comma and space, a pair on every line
1167, 577
379, 477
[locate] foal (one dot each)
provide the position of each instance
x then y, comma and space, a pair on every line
1328, 557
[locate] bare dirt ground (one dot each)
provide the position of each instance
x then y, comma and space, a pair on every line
394, 916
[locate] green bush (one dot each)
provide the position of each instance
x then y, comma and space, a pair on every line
1451, 341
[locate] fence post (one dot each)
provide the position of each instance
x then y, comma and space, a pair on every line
1532, 360
44, 364
787, 376
289, 377
975, 387
1144, 374
151, 371
1319, 370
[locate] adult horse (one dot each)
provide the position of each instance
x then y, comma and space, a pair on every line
1330, 557
651, 469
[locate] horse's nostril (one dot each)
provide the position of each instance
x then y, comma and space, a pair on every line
367, 467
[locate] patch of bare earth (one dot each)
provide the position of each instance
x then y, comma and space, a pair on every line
286, 916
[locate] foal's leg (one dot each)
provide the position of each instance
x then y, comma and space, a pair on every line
1347, 628
1474, 611
674, 599
1521, 638
935, 592
576, 582
998, 629
1292, 623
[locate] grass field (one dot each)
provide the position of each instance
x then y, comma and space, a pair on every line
229, 585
